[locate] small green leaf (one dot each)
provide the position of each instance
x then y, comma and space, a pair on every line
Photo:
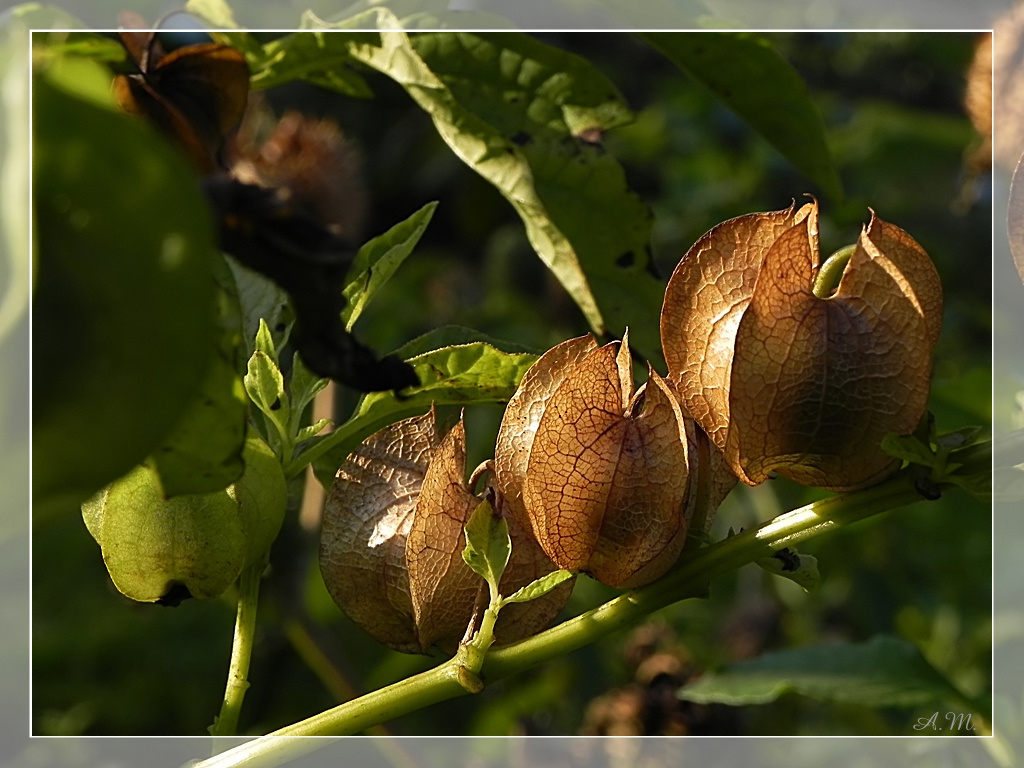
461, 374
261, 301
539, 587
883, 672
265, 342
302, 388
795, 566
265, 386
748, 76
377, 261
488, 546
911, 449
312, 430
316, 58
959, 438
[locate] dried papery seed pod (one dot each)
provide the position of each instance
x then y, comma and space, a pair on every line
366, 523
787, 381
392, 541
601, 475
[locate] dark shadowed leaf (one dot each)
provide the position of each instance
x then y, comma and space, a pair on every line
748, 76
124, 285
883, 672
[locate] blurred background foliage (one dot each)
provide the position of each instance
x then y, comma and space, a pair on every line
893, 106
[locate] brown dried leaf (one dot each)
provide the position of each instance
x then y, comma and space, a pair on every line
642, 529
392, 541
814, 383
444, 589
704, 301
367, 519
605, 479
574, 456
521, 418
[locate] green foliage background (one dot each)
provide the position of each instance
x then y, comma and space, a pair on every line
898, 137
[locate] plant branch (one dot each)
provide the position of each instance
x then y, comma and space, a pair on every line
689, 579
226, 723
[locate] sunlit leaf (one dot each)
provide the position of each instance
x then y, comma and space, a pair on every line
540, 587
377, 261
457, 335
265, 385
463, 374
487, 544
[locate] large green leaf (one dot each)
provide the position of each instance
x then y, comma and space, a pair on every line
464, 374
528, 117
123, 315
318, 58
746, 74
883, 672
204, 451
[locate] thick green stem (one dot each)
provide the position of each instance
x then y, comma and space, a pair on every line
690, 579
226, 723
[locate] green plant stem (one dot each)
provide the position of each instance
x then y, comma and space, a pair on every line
689, 579
831, 272
226, 723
